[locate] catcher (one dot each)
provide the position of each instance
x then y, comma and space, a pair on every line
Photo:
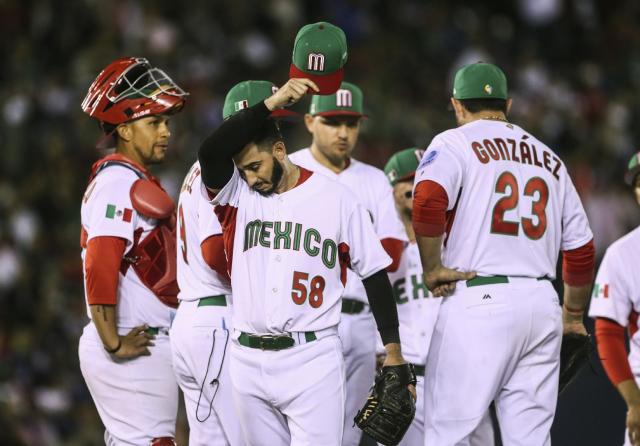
614, 302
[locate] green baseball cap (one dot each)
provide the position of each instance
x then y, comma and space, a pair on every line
319, 54
346, 101
247, 94
633, 169
480, 81
403, 164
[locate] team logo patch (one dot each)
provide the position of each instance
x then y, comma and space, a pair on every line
344, 98
315, 62
429, 158
392, 175
241, 105
488, 89
118, 214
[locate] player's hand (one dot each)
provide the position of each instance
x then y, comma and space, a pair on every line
394, 357
633, 424
290, 93
441, 281
135, 343
572, 322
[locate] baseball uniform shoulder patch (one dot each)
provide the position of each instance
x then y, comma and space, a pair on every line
429, 158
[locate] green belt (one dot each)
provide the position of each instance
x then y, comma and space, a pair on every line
272, 342
352, 306
213, 301
419, 369
492, 280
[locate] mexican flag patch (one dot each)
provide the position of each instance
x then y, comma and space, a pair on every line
118, 214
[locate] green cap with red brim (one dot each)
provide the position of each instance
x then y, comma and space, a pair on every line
247, 94
480, 81
346, 101
403, 164
633, 169
319, 54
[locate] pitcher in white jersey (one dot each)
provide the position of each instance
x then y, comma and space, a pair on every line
290, 236
493, 206
615, 303
334, 121
129, 254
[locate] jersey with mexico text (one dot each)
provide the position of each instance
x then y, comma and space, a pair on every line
417, 308
371, 187
512, 206
107, 211
616, 293
196, 222
289, 252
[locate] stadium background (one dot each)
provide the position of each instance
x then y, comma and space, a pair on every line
574, 72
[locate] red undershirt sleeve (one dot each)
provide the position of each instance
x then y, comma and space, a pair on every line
213, 254
612, 350
578, 265
102, 265
394, 248
430, 204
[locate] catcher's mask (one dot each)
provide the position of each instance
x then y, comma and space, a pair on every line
130, 88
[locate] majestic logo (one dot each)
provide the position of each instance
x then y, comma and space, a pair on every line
488, 89
344, 98
315, 62
241, 105
486, 296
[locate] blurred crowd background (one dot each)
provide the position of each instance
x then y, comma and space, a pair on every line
574, 73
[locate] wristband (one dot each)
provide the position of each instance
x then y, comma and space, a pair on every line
572, 311
114, 350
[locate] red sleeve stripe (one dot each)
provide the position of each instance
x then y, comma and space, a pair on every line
578, 265
612, 351
213, 254
394, 248
101, 267
430, 203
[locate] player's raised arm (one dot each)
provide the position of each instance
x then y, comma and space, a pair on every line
217, 151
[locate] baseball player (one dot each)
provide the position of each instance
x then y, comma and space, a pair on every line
290, 235
200, 332
417, 308
500, 205
334, 122
615, 303
128, 254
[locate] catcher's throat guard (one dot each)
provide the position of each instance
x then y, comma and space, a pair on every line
390, 407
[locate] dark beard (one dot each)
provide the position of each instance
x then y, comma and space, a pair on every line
276, 176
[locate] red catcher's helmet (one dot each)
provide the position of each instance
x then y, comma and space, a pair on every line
130, 88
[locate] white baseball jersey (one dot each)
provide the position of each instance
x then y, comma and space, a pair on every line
371, 187
107, 211
616, 293
417, 308
290, 252
512, 205
196, 222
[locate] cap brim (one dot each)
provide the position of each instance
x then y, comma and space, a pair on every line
327, 83
340, 113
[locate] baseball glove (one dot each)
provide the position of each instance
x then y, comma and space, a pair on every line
390, 407
574, 353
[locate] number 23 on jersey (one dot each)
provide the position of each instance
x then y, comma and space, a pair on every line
537, 189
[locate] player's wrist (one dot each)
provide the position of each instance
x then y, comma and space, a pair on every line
113, 348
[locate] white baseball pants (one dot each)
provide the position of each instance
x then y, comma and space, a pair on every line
358, 334
293, 396
501, 343
200, 341
137, 399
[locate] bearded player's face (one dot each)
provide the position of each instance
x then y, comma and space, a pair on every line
260, 169
150, 138
335, 136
